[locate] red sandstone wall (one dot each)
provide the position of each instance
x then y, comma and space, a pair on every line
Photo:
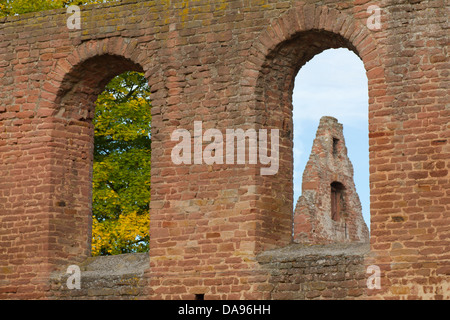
304, 272
230, 64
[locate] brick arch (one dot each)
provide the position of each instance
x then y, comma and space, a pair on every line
328, 27
124, 52
73, 87
276, 56
310, 17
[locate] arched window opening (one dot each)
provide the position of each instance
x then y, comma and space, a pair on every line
76, 124
337, 200
121, 166
300, 83
330, 101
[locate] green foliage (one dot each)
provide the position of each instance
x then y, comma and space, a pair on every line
12, 7
122, 161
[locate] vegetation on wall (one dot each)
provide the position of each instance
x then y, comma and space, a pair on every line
13, 7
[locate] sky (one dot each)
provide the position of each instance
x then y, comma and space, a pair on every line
333, 83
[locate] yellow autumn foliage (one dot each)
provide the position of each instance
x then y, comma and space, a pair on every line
120, 233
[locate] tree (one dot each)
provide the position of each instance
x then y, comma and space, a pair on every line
8, 7
122, 160
13, 7
122, 153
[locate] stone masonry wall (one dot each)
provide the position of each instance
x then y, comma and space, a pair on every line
108, 278
230, 65
333, 271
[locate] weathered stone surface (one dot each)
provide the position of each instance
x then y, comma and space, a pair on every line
332, 271
109, 277
296, 252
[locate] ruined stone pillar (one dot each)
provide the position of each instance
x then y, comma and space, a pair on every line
329, 209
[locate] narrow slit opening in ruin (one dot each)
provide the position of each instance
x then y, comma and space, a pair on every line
200, 296
335, 147
337, 200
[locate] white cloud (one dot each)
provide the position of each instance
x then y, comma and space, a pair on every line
333, 83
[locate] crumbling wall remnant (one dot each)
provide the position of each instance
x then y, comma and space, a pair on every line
329, 209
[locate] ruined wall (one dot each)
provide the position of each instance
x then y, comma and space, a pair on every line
229, 64
296, 272
106, 278
303, 272
329, 209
